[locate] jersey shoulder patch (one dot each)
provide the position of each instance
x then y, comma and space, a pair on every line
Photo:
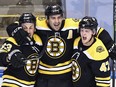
41, 18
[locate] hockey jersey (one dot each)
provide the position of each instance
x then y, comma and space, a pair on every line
56, 62
90, 65
24, 76
105, 37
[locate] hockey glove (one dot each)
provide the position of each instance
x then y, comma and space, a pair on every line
21, 36
16, 58
112, 52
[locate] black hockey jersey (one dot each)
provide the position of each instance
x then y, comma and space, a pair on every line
24, 76
105, 37
90, 65
56, 62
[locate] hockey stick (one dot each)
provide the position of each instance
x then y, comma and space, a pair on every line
41, 53
113, 61
113, 73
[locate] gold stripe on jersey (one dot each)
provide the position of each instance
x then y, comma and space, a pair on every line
12, 40
102, 81
99, 54
99, 30
15, 84
37, 39
75, 45
13, 79
55, 70
9, 85
58, 65
69, 24
102, 85
70, 34
104, 78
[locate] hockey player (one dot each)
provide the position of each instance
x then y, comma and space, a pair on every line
19, 55
90, 60
104, 36
55, 65
61, 32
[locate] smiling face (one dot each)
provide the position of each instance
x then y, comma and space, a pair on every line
55, 21
29, 28
87, 36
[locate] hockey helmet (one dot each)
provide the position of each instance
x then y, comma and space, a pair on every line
27, 18
53, 9
89, 23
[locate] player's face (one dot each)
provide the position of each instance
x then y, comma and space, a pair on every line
55, 21
87, 36
29, 28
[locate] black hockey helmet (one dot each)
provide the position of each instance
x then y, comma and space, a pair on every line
89, 23
27, 18
53, 9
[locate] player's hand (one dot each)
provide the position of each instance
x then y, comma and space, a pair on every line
16, 59
112, 52
16, 31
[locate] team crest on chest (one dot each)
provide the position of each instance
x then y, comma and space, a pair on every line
32, 64
76, 70
55, 47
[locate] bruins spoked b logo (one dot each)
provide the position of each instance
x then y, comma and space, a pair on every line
32, 64
55, 47
76, 70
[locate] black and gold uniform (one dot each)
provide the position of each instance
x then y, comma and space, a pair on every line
56, 62
23, 76
90, 66
105, 37
69, 29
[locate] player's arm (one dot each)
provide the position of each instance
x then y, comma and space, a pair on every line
18, 33
11, 55
104, 36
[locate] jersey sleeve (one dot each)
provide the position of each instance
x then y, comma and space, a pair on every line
101, 70
105, 37
7, 47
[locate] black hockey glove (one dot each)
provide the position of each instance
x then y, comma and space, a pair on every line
16, 58
112, 52
21, 36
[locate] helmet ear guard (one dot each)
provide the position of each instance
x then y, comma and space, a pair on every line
53, 10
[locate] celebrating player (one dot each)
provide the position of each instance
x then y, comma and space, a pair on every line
20, 55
